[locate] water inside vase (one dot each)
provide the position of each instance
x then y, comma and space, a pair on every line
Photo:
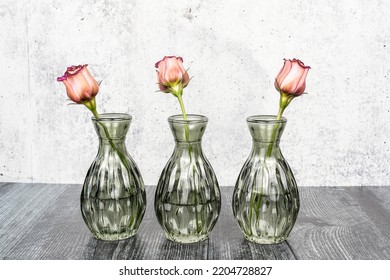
188, 223
113, 219
266, 219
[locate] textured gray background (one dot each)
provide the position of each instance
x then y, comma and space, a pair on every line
336, 135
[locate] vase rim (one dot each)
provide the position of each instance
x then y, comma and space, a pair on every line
113, 117
266, 119
191, 118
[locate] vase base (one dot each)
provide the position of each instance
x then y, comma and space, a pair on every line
115, 236
187, 239
265, 240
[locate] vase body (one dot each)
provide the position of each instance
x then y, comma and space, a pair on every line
113, 198
265, 199
187, 201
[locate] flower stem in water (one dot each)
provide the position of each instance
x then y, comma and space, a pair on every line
106, 132
198, 229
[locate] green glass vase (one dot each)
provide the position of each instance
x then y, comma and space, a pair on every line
265, 199
187, 201
113, 198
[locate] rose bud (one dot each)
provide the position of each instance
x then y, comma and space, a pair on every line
290, 82
292, 77
81, 87
171, 75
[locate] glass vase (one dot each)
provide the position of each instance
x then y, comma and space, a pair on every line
113, 198
265, 199
188, 200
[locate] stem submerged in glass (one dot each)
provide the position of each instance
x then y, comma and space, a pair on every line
278, 118
91, 105
183, 110
179, 97
285, 99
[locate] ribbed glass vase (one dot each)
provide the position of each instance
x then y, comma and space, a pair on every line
113, 198
265, 199
188, 200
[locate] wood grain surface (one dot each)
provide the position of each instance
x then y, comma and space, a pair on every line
43, 221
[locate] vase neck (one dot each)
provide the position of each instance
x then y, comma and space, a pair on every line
266, 130
189, 131
112, 127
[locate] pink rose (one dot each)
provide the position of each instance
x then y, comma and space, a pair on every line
80, 86
292, 77
171, 75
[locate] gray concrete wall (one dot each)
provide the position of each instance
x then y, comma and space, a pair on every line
337, 135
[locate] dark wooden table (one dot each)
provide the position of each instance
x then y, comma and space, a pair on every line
43, 221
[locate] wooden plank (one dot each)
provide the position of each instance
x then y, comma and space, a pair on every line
150, 242
60, 233
382, 194
375, 203
228, 242
42, 221
21, 205
332, 224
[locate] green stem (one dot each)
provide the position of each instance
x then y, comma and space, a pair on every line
254, 208
183, 110
251, 211
92, 107
285, 99
271, 145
